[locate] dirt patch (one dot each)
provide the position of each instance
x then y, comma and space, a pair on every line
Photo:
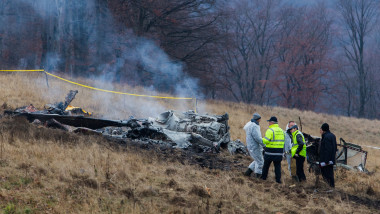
84, 180
149, 192
318, 211
178, 200
237, 180
40, 171
129, 193
108, 185
361, 200
4, 163
343, 196
222, 161
199, 191
179, 189
172, 183
170, 171
24, 166
370, 191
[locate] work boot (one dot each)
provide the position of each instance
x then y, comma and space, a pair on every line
258, 175
248, 172
295, 178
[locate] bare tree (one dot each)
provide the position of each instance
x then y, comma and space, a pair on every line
358, 17
247, 52
302, 63
185, 29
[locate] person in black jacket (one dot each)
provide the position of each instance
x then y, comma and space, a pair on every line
327, 154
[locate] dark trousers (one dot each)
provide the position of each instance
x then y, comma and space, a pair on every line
328, 174
277, 167
299, 165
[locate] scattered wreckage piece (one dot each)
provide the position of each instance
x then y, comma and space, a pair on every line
214, 128
237, 147
211, 131
72, 110
349, 156
210, 127
312, 155
60, 107
76, 121
27, 109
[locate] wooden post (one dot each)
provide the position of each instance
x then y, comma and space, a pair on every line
196, 104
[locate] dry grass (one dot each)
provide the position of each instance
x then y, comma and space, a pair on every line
44, 170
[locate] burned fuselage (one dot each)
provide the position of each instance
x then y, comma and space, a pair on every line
178, 130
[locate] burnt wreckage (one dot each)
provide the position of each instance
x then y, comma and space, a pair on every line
188, 130
349, 155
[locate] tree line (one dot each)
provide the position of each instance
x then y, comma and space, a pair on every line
320, 57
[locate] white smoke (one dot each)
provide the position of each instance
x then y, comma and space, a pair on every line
123, 51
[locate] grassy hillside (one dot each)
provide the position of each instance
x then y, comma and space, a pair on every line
50, 171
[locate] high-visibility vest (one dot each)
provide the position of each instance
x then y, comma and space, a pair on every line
295, 144
274, 140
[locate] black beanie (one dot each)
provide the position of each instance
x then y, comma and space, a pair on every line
325, 127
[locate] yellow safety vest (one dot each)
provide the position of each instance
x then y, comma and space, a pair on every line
295, 144
274, 140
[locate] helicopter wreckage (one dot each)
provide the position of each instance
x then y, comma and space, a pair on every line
188, 130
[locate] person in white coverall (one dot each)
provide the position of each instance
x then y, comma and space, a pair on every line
255, 146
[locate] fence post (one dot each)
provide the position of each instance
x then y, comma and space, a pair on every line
47, 80
196, 104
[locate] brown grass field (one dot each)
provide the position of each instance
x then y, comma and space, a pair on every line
50, 171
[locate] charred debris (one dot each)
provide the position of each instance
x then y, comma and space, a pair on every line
188, 130
349, 156
201, 133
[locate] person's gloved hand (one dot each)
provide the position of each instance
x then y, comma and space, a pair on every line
331, 163
296, 155
323, 164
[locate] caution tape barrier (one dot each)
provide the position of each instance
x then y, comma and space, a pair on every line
103, 90
373, 147
117, 92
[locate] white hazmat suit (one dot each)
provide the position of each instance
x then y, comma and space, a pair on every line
255, 146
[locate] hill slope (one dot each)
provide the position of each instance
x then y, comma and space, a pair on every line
46, 170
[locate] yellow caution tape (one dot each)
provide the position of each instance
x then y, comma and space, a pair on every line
109, 91
117, 92
21, 70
